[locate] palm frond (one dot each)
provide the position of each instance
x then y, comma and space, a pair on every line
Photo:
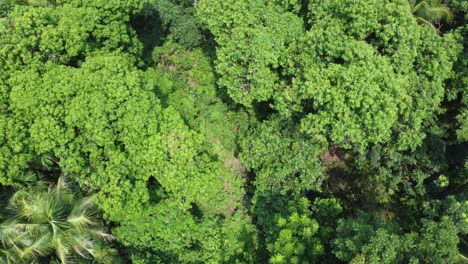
33, 208
103, 235
25, 179
84, 247
427, 23
51, 220
32, 228
8, 233
62, 251
19, 199
85, 204
40, 247
80, 220
430, 12
39, 3
82, 214
46, 160
62, 184
419, 6
438, 13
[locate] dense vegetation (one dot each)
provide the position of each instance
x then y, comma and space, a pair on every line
233, 131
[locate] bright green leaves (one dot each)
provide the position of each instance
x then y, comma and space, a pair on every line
362, 76
298, 166
289, 229
333, 107
353, 234
365, 73
326, 212
72, 90
358, 103
65, 33
15, 149
437, 241
379, 241
296, 241
189, 86
359, 81
77, 117
461, 89
252, 45
109, 132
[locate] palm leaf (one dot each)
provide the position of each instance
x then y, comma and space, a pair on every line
36, 208
82, 214
437, 13
100, 233
40, 247
62, 185
46, 160
24, 179
83, 247
430, 12
62, 250
80, 220
32, 229
419, 6
44, 221
427, 23
8, 233
40, 3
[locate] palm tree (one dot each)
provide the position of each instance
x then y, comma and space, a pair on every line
431, 12
43, 222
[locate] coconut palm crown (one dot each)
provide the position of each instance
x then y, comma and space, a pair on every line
43, 222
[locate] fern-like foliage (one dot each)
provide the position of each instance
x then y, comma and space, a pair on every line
42, 222
431, 12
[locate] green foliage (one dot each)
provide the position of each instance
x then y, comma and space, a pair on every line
378, 241
353, 234
296, 241
251, 45
461, 89
366, 81
289, 229
42, 222
190, 88
100, 117
378, 64
40, 3
66, 33
437, 241
327, 212
179, 19
430, 12
246, 131
113, 136
361, 77
288, 171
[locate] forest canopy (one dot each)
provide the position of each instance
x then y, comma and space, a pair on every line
222, 131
